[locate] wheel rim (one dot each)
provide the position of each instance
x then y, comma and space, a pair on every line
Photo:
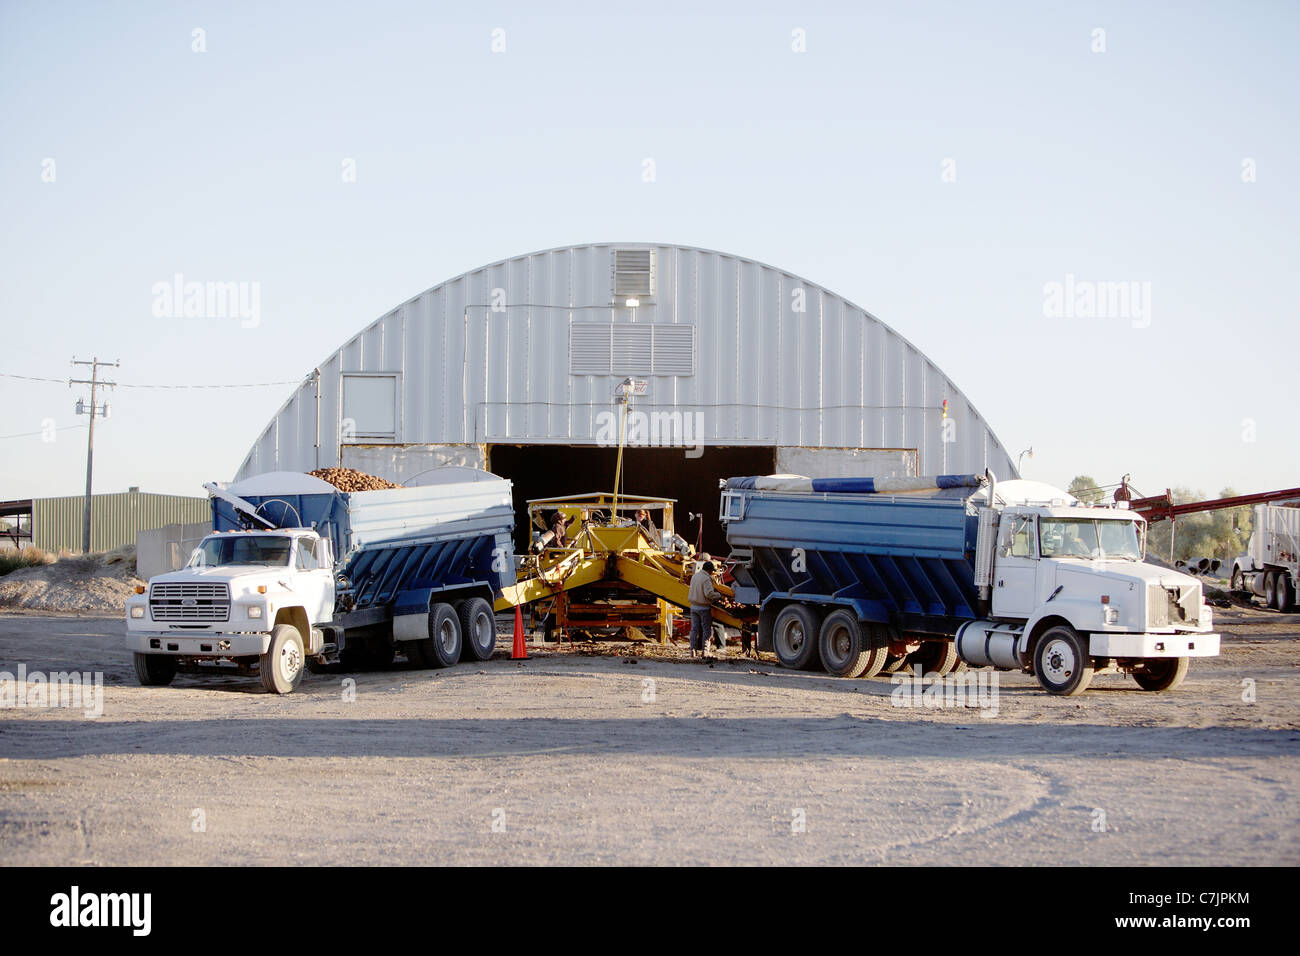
447, 636
1157, 669
841, 644
486, 632
1059, 663
792, 636
290, 661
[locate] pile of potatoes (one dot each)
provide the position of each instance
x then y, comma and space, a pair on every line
349, 479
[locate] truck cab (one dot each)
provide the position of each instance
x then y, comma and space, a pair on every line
244, 596
1071, 594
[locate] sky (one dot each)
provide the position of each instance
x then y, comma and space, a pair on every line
968, 173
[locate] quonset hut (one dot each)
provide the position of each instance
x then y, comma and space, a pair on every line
736, 368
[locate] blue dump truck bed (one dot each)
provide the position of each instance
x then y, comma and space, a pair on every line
393, 548
896, 551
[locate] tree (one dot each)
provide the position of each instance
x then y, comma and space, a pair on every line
1084, 487
1220, 534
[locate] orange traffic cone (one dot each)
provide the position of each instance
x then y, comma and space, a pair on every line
519, 652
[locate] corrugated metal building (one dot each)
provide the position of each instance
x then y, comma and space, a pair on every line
513, 367
57, 523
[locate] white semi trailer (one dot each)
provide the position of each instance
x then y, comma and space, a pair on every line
1271, 566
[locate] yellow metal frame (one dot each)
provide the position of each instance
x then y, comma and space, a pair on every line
609, 548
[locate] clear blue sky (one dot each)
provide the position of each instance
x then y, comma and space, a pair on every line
1124, 165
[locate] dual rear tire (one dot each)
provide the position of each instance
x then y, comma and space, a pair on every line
442, 647
795, 637
847, 646
1279, 591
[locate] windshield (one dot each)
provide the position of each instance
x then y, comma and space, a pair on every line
242, 549
1089, 538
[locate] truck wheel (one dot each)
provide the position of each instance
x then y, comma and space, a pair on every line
935, 657
1285, 592
794, 636
1162, 673
1237, 580
1061, 661
282, 664
1270, 590
893, 662
478, 628
442, 647
844, 644
154, 670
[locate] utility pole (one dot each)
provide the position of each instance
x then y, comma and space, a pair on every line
93, 410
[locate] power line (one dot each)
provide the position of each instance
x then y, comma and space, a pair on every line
64, 381
43, 431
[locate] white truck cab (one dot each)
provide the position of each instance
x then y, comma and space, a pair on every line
1071, 595
244, 596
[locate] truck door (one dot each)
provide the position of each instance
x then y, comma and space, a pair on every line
314, 583
1015, 567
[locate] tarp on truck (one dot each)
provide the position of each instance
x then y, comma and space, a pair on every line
858, 486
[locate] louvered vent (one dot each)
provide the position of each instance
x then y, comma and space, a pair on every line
607, 349
633, 273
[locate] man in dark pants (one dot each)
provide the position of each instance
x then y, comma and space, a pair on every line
702, 596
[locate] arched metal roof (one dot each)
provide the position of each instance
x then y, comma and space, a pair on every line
529, 350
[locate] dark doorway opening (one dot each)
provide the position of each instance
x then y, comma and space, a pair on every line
549, 471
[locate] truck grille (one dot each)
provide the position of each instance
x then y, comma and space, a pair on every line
187, 601
1174, 606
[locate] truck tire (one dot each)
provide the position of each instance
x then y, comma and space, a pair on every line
935, 657
478, 628
282, 665
1162, 673
845, 644
1238, 579
893, 662
154, 670
794, 636
1285, 592
1270, 589
1061, 661
442, 646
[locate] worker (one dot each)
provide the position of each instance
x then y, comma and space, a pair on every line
1073, 544
558, 525
647, 526
702, 596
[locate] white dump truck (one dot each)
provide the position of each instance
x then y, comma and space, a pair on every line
297, 573
1271, 566
867, 575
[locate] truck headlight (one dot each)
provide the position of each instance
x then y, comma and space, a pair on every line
254, 610
137, 611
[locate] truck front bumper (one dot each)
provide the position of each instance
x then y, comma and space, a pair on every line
198, 645
1154, 645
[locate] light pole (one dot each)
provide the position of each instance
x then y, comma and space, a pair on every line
1019, 461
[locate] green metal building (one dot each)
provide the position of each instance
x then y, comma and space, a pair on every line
56, 523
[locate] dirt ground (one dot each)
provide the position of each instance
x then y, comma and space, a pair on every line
631, 759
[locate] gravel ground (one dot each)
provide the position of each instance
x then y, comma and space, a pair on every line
569, 758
